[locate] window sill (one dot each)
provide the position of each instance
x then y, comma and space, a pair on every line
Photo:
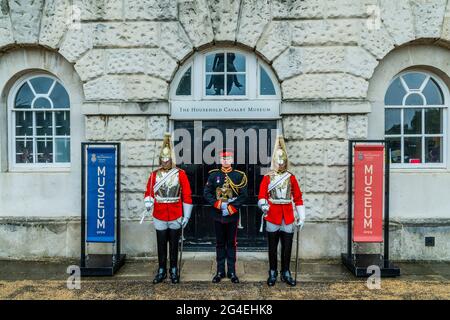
419, 169
40, 170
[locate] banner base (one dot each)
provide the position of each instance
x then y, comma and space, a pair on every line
359, 263
101, 265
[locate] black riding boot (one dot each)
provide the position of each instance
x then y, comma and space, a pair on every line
161, 239
174, 239
273, 238
286, 249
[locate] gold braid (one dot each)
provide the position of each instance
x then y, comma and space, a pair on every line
236, 187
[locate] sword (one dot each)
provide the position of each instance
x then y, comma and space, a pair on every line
296, 255
181, 251
144, 213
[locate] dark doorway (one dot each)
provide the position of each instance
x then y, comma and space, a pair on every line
199, 233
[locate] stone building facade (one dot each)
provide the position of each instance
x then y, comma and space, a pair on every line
333, 61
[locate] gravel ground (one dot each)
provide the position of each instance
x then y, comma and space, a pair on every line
144, 289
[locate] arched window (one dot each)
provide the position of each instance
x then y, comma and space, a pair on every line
39, 123
227, 74
415, 126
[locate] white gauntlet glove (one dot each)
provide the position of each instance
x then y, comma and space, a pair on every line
187, 210
224, 208
149, 202
300, 216
264, 206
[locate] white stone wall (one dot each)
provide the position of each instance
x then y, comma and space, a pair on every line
129, 50
323, 52
318, 152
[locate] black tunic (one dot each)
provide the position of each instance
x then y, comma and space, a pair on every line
216, 179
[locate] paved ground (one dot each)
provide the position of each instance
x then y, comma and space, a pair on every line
317, 280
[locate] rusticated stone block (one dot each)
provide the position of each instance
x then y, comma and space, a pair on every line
77, 42
323, 86
125, 127
150, 61
325, 127
428, 17
357, 126
174, 40
99, 9
151, 9
194, 16
126, 34
325, 179
337, 153
398, 18
306, 152
132, 205
314, 206
377, 41
6, 36
125, 87
353, 60
134, 179
255, 15
91, 65
140, 153
294, 127
335, 206
325, 32
55, 21
25, 19
95, 128
275, 39
224, 17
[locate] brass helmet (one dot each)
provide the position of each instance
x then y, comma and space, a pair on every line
280, 161
167, 154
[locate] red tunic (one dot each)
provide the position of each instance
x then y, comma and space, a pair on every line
279, 212
169, 211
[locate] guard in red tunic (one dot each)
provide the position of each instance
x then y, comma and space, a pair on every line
280, 200
168, 194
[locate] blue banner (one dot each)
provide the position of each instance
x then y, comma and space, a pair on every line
101, 186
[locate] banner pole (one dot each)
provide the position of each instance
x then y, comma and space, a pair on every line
350, 198
386, 204
83, 208
118, 233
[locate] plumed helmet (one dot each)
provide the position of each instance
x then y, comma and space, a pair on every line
167, 152
280, 160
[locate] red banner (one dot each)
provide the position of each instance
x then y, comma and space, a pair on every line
368, 199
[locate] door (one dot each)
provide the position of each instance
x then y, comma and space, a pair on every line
199, 233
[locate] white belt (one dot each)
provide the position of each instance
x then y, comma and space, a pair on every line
167, 200
280, 201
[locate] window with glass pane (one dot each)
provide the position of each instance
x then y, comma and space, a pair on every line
184, 86
414, 119
225, 74
266, 87
42, 122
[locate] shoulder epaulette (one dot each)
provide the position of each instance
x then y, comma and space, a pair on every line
242, 172
213, 170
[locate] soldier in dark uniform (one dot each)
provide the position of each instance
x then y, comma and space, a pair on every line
226, 192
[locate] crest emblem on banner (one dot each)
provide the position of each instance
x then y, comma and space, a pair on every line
94, 157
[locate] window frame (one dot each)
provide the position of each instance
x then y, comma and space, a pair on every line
38, 167
198, 78
445, 122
